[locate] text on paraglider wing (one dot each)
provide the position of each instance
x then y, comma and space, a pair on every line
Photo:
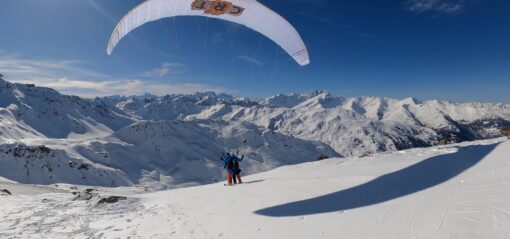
217, 7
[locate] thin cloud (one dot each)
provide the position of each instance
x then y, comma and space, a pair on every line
21, 68
68, 78
439, 6
164, 70
137, 87
100, 9
367, 36
64, 84
251, 60
90, 89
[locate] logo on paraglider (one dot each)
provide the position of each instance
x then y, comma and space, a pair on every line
217, 7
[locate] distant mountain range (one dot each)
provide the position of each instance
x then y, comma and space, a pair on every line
352, 126
176, 140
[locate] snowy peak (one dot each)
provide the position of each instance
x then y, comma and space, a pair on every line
353, 126
321, 100
410, 101
285, 101
49, 113
294, 99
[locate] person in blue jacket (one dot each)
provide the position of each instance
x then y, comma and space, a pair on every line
231, 163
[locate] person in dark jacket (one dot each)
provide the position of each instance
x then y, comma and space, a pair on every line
236, 169
229, 165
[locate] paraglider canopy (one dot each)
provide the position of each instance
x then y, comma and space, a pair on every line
249, 13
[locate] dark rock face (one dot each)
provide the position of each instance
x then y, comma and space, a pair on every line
458, 132
506, 132
90, 193
472, 131
83, 166
322, 157
86, 195
111, 199
5, 192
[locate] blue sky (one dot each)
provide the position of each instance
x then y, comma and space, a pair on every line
454, 50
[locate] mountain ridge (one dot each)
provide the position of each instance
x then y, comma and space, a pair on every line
175, 140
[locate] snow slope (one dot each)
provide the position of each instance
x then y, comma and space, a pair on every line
455, 191
43, 165
156, 155
185, 153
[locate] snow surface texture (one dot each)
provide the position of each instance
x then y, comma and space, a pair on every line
455, 191
176, 140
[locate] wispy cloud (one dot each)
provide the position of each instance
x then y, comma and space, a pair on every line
121, 87
165, 69
137, 87
367, 36
100, 9
251, 60
69, 77
23, 69
440, 6
63, 84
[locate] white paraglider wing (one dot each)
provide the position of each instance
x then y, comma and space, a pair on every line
249, 13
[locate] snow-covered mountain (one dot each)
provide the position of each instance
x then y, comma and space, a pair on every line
352, 126
166, 154
46, 138
27, 111
44, 165
176, 140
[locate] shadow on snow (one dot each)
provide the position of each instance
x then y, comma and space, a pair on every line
423, 175
255, 181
